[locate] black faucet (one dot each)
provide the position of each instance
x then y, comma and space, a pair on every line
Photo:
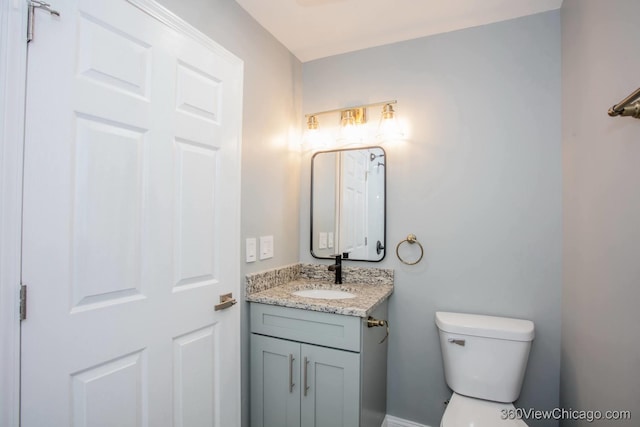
337, 267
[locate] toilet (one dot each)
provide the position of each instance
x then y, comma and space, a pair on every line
484, 358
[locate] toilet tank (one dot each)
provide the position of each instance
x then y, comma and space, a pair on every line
484, 356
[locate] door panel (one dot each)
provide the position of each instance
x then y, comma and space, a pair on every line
129, 235
111, 57
195, 358
96, 390
197, 93
195, 187
106, 208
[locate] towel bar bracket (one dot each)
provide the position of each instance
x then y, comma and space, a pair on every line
628, 107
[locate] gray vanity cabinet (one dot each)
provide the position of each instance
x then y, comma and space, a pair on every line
312, 369
275, 373
280, 395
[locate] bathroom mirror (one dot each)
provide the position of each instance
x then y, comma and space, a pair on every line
348, 207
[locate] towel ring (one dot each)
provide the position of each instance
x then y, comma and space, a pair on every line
411, 239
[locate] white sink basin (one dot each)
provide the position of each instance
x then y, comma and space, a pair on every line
324, 294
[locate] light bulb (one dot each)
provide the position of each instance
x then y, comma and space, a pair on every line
349, 131
389, 128
312, 136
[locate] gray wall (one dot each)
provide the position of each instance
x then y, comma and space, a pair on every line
601, 163
270, 154
478, 181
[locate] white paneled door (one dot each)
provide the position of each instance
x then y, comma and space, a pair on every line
353, 215
131, 221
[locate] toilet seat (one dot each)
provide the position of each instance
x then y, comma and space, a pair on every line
463, 411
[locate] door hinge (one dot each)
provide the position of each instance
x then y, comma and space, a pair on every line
33, 5
23, 302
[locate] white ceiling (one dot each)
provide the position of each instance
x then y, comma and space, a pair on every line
313, 29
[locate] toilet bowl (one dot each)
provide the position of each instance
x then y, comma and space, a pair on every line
485, 359
463, 411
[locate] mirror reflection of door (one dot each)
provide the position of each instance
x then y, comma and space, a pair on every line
353, 204
376, 189
348, 204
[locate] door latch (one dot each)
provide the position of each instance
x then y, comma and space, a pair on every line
226, 301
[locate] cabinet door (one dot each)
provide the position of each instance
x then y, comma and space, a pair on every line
275, 385
331, 392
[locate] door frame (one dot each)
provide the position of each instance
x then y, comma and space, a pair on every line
13, 80
13, 76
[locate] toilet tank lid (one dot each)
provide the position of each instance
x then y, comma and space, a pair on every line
485, 326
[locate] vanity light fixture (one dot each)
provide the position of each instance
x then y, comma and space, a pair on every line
347, 119
312, 137
389, 129
312, 123
352, 121
349, 125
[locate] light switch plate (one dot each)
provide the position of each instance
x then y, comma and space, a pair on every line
322, 241
266, 247
250, 248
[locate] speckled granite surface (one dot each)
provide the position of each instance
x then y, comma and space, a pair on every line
364, 275
257, 282
370, 285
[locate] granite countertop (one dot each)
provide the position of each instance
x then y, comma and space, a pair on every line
368, 297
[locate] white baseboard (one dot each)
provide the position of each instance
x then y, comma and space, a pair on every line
391, 421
